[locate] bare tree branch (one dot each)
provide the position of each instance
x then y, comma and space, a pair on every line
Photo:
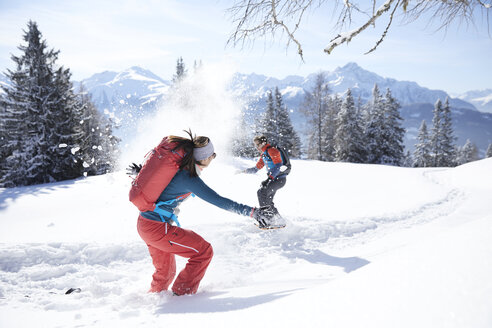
386, 29
261, 18
281, 23
347, 37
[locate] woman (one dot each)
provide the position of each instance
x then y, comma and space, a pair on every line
161, 230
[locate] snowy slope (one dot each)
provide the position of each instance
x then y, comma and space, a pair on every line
366, 246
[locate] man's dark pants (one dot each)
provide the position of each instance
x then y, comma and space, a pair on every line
267, 192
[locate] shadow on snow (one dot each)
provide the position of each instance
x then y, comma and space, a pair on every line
209, 302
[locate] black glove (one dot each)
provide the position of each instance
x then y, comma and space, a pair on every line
133, 169
263, 215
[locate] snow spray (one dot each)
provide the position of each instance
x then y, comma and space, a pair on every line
202, 101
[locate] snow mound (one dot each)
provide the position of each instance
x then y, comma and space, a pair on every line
365, 245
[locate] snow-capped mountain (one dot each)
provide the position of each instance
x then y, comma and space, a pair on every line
128, 95
125, 96
352, 76
128, 92
134, 86
482, 99
139, 89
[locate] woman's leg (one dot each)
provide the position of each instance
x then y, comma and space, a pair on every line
164, 262
189, 244
163, 238
165, 269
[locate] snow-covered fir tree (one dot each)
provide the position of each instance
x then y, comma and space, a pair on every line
488, 152
374, 129
393, 148
65, 133
436, 139
329, 127
41, 118
349, 136
30, 100
242, 142
467, 153
98, 148
268, 124
12, 130
442, 140
197, 65
180, 71
448, 147
408, 160
287, 136
277, 126
315, 107
4, 137
422, 152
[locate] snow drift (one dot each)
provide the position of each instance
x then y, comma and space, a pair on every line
365, 246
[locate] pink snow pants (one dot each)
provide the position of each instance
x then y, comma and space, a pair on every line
164, 241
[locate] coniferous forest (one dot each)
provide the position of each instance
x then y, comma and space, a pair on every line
51, 132
342, 129
48, 131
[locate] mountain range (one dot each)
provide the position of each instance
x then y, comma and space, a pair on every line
128, 95
482, 99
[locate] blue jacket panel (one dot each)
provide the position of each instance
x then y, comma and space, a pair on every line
182, 185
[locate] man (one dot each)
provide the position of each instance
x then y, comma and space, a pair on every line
278, 167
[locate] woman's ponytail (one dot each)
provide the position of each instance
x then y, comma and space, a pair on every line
188, 144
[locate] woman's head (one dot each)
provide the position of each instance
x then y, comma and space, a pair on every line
198, 151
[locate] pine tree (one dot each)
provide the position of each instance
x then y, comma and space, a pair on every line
197, 66
447, 145
488, 153
329, 127
42, 118
422, 153
349, 136
287, 136
4, 138
393, 148
242, 142
98, 147
374, 130
467, 153
269, 121
65, 132
315, 107
12, 130
31, 98
408, 160
180, 71
442, 139
277, 126
436, 138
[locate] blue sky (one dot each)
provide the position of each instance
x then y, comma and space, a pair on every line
99, 35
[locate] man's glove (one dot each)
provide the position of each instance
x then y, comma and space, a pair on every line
263, 215
133, 169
